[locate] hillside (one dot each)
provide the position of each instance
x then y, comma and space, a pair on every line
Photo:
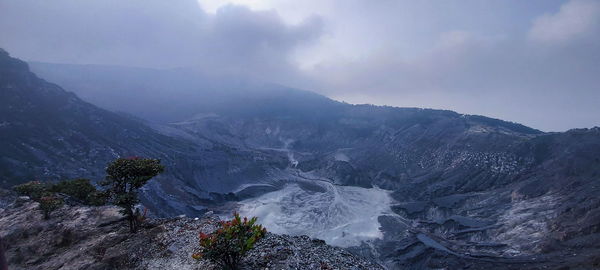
47, 133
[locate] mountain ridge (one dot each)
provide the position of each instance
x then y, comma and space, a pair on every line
53, 72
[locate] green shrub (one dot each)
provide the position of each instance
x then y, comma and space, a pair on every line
80, 189
76, 188
40, 192
33, 189
230, 242
46, 194
97, 198
49, 203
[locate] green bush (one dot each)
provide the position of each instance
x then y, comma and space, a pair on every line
40, 192
76, 188
97, 198
80, 189
46, 194
33, 189
230, 242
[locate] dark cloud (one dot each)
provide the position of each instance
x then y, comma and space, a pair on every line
256, 44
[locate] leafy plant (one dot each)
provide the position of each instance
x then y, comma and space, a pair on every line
49, 203
80, 189
40, 193
125, 177
228, 244
97, 198
33, 189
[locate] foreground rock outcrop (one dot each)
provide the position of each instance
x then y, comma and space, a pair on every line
81, 237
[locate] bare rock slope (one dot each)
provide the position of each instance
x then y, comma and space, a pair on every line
79, 237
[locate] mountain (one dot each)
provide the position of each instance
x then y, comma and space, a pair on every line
50, 133
47, 133
467, 191
411, 188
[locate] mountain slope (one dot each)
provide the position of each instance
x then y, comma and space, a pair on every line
47, 133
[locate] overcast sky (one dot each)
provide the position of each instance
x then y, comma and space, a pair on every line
535, 62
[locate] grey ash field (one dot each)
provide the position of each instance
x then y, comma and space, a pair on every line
406, 188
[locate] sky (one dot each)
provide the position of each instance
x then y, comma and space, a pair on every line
535, 62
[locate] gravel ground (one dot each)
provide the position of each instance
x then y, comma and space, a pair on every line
301, 252
79, 237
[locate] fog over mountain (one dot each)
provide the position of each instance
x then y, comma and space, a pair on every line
533, 62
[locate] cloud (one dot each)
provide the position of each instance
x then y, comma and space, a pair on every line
254, 43
576, 19
534, 62
511, 77
155, 33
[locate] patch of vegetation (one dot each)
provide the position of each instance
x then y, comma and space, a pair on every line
34, 189
97, 198
79, 189
50, 196
125, 177
82, 190
230, 242
40, 192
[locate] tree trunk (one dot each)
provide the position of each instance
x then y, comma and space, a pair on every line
131, 219
130, 215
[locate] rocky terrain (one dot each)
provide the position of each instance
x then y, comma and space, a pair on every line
47, 133
81, 237
410, 188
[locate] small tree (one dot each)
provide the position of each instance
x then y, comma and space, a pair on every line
230, 242
125, 177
